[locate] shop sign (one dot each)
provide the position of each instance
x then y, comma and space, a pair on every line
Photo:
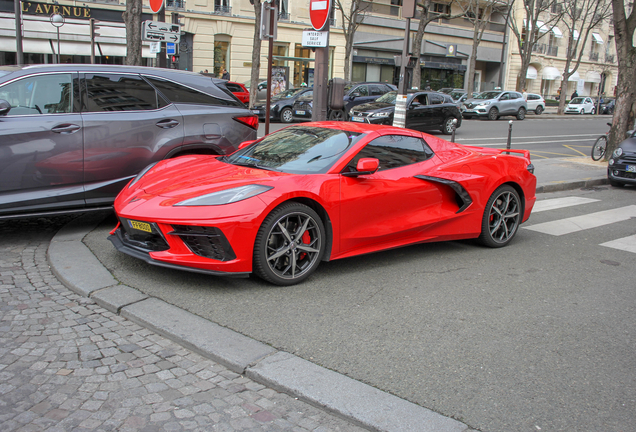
47, 9
315, 38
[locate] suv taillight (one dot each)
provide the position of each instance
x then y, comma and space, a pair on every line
251, 121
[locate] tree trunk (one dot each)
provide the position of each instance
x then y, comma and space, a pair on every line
416, 49
256, 54
132, 19
470, 85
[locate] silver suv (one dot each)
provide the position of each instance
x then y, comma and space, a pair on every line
494, 104
71, 136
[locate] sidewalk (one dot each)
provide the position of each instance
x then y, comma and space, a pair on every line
103, 356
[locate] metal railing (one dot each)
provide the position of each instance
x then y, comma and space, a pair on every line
593, 56
284, 16
552, 50
222, 10
175, 4
610, 59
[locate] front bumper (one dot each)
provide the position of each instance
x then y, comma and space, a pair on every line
619, 173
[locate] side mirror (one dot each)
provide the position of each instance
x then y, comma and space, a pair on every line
365, 166
246, 144
5, 107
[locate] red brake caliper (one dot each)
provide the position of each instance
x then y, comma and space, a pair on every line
306, 240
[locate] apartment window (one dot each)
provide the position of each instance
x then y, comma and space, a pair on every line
441, 8
222, 6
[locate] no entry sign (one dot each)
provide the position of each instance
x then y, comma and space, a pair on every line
156, 5
319, 11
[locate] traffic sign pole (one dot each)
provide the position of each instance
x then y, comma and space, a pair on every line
319, 11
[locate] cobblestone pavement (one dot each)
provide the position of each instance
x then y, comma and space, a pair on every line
66, 364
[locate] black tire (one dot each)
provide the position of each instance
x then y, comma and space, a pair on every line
502, 217
615, 184
467, 117
593, 111
286, 115
337, 115
289, 245
599, 147
493, 114
521, 114
582, 111
538, 110
447, 127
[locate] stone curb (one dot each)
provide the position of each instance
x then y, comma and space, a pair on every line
80, 271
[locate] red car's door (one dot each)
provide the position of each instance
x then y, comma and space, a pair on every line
391, 206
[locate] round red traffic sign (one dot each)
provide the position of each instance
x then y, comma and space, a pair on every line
156, 5
319, 11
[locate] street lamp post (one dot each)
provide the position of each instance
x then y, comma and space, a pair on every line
58, 21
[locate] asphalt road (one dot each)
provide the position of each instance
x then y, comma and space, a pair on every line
567, 136
535, 336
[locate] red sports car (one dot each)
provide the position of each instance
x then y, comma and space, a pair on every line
316, 192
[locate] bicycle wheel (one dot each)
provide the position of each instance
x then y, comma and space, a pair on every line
598, 149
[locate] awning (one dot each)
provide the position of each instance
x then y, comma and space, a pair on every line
540, 25
532, 72
576, 34
575, 76
597, 37
550, 73
593, 76
557, 32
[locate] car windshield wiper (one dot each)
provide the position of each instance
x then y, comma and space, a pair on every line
251, 164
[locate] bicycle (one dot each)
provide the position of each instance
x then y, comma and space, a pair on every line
600, 145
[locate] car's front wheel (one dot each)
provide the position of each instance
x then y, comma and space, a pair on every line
447, 127
502, 217
286, 115
289, 245
593, 111
538, 110
521, 114
615, 184
582, 111
493, 114
337, 115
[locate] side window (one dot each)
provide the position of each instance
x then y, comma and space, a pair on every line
393, 151
505, 96
40, 94
361, 91
181, 94
419, 100
376, 90
114, 92
436, 99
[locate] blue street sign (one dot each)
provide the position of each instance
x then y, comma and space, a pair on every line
170, 48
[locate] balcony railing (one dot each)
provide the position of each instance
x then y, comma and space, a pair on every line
283, 16
222, 10
539, 48
175, 4
610, 59
552, 51
593, 56
379, 8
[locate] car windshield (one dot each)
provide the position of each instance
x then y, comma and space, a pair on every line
577, 101
488, 95
297, 150
387, 97
287, 94
457, 94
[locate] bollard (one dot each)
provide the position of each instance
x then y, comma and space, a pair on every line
454, 128
509, 134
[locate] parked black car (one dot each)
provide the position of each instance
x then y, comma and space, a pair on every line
426, 111
621, 169
354, 94
281, 105
73, 135
607, 106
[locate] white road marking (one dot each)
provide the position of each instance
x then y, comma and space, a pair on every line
517, 143
580, 223
557, 203
626, 244
535, 137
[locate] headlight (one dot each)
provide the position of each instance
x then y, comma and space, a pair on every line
142, 173
617, 152
380, 114
271, 107
611, 162
484, 103
226, 196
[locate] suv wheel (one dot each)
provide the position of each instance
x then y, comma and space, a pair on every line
521, 114
493, 114
539, 110
337, 115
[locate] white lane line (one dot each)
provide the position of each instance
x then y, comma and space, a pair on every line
557, 203
536, 137
516, 143
580, 223
626, 244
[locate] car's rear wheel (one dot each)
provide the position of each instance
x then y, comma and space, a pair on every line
337, 115
538, 110
493, 114
521, 114
593, 111
286, 115
447, 127
502, 217
582, 111
289, 245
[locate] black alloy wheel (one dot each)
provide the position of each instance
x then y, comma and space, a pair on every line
502, 217
521, 114
337, 115
493, 114
289, 245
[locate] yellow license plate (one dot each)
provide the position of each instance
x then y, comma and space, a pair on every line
141, 226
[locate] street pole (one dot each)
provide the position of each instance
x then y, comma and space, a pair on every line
270, 60
320, 107
17, 5
162, 55
399, 118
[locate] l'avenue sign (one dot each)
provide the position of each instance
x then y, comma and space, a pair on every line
34, 8
319, 11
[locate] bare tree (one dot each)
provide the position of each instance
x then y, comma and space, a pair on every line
351, 20
132, 19
256, 53
478, 12
427, 14
533, 29
580, 17
625, 111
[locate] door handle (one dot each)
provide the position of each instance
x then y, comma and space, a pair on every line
167, 124
66, 129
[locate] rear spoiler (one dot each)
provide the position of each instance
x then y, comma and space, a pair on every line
488, 150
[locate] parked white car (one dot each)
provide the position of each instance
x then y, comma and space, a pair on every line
536, 103
581, 105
